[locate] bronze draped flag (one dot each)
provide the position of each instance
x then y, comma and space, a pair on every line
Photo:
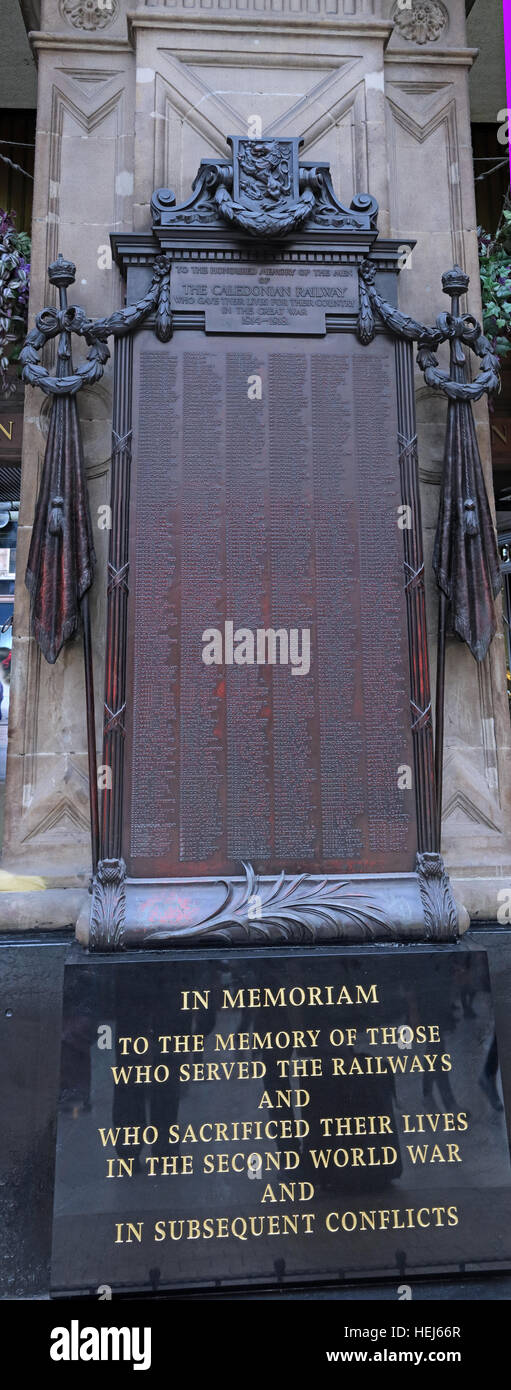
61, 558
465, 556
465, 560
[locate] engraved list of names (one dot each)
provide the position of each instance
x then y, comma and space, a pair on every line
267, 507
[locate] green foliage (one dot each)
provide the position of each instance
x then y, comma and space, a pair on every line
14, 290
495, 271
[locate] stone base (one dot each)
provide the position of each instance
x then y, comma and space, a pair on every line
44, 910
486, 899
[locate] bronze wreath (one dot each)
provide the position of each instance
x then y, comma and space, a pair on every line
52, 322
464, 329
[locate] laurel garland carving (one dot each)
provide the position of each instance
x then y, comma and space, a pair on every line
52, 322
463, 329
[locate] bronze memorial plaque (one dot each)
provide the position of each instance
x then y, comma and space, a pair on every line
268, 652
260, 298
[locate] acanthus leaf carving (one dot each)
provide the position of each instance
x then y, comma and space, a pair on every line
108, 908
439, 907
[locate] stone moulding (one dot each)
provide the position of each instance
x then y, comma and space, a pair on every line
180, 14
342, 9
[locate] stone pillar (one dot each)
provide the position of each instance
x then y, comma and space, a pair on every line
429, 151
131, 97
83, 189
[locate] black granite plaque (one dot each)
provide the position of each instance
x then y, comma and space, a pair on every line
266, 497
268, 1118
